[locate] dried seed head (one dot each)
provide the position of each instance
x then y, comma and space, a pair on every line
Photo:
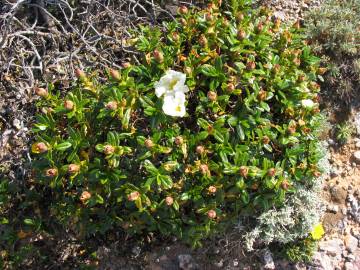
244, 170
85, 196
212, 189
265, 140
149, 143
271, 172
179, 140
183, 10
133, 196
40, 147
169, 200
109, 149
111, 105
211, 214
241, 34
51, 172
80, 74
212, 96
42, 92
158, 56
73, 168
250, 65
115, 74
204, 169
200, 149
68, 104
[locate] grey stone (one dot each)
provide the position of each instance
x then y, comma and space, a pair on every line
357, 122
351, 243
349, 266
187, 262
17, 124
356, 156
268, 260
333, 208
332, 247
323, 261
350, 257
136, 251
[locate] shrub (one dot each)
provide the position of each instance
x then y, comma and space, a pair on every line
213, 118
334, 31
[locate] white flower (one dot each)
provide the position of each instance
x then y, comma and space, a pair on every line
171, 82
174, 105
307, 103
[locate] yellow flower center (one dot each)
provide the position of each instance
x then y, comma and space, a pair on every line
172, 84
178, 108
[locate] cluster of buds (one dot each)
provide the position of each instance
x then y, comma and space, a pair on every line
109, 149
85, 196
41, 92
292, 128
259, 27
68, 105
51, 172
133, 196
73, 168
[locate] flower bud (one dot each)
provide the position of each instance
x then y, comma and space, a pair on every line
244, 170
317, 173
291, 129
41, 92
230, 87
80, 74
73, 168
126, 65
109, 149
211, 214
47, 110
158, 56
212, 96
239, 17
40, 147
183, 21
188, 70
123, 102
115, 74
212, 189
51, 172
241, 34
297, 61
322, 70
200, 149
255, 186
169, 200
259, 27
69, 105
277, 23
203, 41
271, 172
204, 169
262, 95
85, 196
182, 58
175, 36
133, 196
285, 184
301, 78
111, 105
276, 68
225, 23
296, 25
265, 140
208, 17
179, 140
250, 65
149, 143
183, 10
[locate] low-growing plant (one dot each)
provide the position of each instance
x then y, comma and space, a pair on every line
334, 31
213, 119
343, 132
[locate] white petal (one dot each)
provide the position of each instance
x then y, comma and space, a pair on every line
160, 90
307, 103
174, 104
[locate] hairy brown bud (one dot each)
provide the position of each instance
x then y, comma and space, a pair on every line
85, 196
126, 65
212, 189
241, 34
158, 56
51, 172
183, 10
42, 92
169, 200
115, 74
250, 65
68, 104
149, 143
211, 214
200, 149
239, 17
40, 147
73, 168
244, 170
203, 41
80, 74
175, 36
211, 95
265, 140
109, 149
179, 140
111, 105
133, 196
262, 95
204, 169
209, 17
285, 184
230, 87
271, 172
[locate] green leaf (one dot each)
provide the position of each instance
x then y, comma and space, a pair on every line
62, 146
126, 118
240, 132
209, 70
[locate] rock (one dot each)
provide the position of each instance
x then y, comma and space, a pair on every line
356, 156
333, 208
17, 124
331, 142
268, 259
235, 262
220, 264
186, 262
323, 261
357, 122
136, 251
351, 243
349, 266
350, 258
353, 207
332, 247
338, 194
